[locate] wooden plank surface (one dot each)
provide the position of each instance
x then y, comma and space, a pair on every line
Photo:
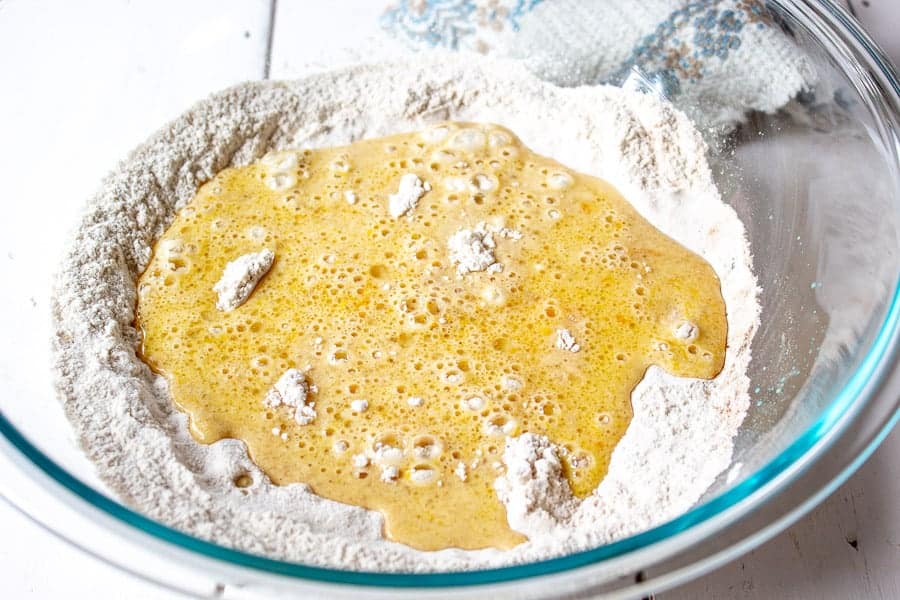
315, 35
846, 548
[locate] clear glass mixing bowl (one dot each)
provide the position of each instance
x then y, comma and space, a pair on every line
817, 190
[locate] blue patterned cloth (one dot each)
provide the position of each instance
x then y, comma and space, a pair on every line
717, 59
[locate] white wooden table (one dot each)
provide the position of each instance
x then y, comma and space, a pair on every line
849, 547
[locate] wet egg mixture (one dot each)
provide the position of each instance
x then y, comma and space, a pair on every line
374, 320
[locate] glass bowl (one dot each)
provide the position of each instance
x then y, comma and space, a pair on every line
816, 185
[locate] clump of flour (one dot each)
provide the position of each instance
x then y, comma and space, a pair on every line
240, 277
292, 390
411, 188
472, 250
534, 489
678, 442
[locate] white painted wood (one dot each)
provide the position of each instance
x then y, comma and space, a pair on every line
317, 34
816, 557
100, 76
35, 564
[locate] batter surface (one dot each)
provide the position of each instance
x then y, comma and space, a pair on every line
419, 367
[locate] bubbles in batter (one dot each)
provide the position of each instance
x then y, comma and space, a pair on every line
413, 369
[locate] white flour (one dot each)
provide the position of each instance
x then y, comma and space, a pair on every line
566, 341
472, 250
292, 390
534, 489
240, 277
679, 440
407, 197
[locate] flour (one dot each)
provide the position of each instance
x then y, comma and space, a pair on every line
280, 164
461, 471
387, 454
678, 442
292, 390
566, 341
389, 474
472, 250
687, 331
240, 277
535, 491
407, 197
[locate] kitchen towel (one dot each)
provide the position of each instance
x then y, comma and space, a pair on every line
715, 59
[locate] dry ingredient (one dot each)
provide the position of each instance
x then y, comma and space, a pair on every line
472, 250
292, 390
566, 341
677, 443
240, 278
411, 189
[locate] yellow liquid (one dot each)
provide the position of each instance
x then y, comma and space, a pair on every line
377, 311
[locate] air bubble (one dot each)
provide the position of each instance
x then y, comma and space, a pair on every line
426, 447
473, 403
340, 165
280, 182
484, 183
558, 181
388, 449
500, 425
499, 138
378, 271
435, 134
280, 161
455, 184
422, 474
468, 140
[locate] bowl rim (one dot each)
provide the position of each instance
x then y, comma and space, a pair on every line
745, 496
